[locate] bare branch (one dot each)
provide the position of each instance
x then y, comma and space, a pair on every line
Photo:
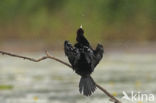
115, 100
36, 60
108, 94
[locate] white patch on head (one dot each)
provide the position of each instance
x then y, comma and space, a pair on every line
81, 26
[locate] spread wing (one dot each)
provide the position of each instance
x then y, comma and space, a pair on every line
98, 54
72, 53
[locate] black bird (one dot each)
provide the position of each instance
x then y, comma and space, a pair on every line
83, 60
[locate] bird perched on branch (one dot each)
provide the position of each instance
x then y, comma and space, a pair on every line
83, 59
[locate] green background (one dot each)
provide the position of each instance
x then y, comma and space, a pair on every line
104, 21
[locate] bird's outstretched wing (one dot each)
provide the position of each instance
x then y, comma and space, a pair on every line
98, 54
72, 53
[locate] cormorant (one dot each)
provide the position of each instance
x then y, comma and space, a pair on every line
83, 60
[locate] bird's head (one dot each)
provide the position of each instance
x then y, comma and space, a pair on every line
80, 33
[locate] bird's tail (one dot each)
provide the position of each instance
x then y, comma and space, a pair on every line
87, 85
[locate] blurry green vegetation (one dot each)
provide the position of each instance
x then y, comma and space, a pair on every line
6, 87
55, 20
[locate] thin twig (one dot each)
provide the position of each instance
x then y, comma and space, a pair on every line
36, 60
108, 94
115, 100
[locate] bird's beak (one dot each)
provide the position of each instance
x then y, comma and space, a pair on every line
81, 26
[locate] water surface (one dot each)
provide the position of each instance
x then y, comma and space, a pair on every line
23, 81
